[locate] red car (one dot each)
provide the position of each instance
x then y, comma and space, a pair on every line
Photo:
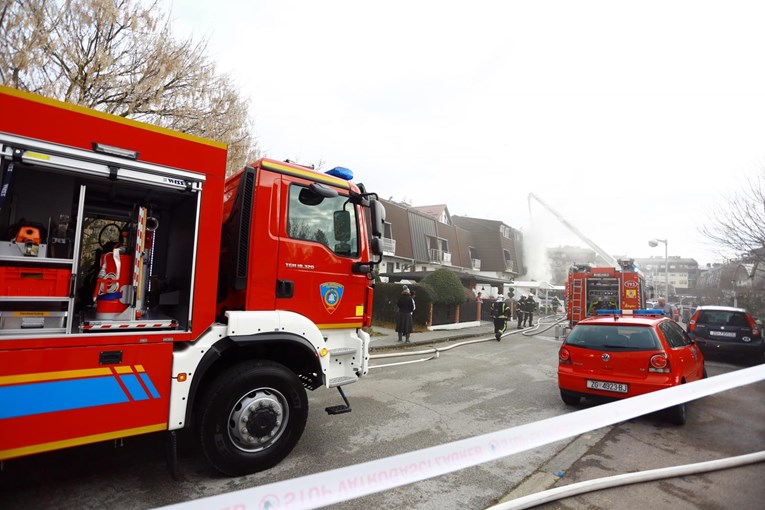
626, 353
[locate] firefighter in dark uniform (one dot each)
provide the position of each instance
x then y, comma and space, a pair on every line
499, 312
520, 313
529, 315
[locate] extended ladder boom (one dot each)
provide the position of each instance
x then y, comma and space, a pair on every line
600, 251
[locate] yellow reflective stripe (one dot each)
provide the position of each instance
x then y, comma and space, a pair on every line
108, 116
36, 155
123, 370
53, 376
347, 325
78, 441
139, 368
307, 174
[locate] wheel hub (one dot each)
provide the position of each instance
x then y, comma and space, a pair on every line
258, 419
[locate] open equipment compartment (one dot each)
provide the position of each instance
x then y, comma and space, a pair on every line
63, 211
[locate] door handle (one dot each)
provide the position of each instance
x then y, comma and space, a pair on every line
285, 288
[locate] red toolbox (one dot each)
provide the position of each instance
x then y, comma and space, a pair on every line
34, 281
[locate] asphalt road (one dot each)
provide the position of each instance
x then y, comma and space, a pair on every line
472, 390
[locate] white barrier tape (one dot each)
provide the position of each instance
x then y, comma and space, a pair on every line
342, 484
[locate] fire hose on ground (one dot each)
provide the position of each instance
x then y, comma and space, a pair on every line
434, 352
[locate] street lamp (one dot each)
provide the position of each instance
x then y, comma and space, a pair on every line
653, 243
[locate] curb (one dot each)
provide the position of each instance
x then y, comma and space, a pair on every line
555, 469
399, 346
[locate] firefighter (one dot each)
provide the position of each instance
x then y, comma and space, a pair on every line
529, 315
499, 312
555, 304
520, 311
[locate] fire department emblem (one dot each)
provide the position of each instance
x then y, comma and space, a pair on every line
331, 295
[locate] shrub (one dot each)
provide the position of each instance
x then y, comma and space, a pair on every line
447, 288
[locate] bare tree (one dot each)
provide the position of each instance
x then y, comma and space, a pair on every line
120, 57
740, 225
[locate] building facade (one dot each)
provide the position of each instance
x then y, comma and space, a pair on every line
419, 240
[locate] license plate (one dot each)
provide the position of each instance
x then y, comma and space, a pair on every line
607, 386
727, 334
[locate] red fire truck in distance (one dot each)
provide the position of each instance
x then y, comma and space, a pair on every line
590, 289
141, 291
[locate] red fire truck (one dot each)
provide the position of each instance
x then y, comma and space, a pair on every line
142, 291
590, 289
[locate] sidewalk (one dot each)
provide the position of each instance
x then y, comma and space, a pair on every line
384, 338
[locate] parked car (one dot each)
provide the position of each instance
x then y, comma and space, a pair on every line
626, 354
726, 330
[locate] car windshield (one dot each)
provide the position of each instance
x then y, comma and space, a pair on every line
723, 318
628, 338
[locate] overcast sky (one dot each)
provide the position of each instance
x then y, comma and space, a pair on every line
634, 120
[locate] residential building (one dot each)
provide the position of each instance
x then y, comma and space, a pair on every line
418, 240
683, 273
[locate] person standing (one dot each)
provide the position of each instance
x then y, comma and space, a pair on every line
521, 311
555, 304
528, 317
405, 306
666, 309
499, 312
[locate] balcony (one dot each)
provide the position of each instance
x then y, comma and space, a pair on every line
388, 246
441, 257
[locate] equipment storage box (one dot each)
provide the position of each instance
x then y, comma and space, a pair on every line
32, 322
34, 281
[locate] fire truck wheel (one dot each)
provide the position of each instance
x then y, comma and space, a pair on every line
251, 417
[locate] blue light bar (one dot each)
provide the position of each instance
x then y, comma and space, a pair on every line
341, 172
651, 311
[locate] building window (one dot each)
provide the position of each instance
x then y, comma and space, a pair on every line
388, 230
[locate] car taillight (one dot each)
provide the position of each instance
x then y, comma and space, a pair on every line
659, 363
564, 356
692, 325
753, 325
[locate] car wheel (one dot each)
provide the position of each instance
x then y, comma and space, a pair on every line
569, 399
251, 417
677, 414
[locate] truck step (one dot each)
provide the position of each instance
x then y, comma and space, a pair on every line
340, 381
344, 408
342, 351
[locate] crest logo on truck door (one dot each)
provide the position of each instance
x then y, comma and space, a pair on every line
331, 295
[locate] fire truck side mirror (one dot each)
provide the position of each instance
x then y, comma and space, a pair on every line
375, 246
378, 218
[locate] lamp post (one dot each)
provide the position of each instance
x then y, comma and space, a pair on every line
653, 243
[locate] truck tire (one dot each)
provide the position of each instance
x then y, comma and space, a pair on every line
270, 406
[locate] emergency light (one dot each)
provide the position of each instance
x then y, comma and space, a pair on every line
650, 311
341, 172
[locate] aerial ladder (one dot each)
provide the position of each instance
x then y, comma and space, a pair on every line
611, 261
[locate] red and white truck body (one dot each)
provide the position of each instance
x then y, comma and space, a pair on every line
142, 291
590, 289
